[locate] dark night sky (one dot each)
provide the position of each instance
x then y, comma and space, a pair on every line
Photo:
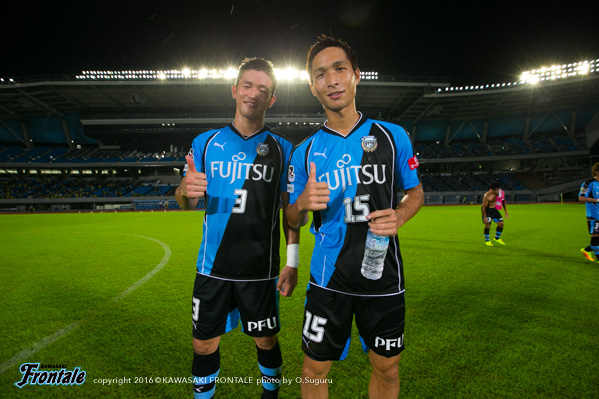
470, 44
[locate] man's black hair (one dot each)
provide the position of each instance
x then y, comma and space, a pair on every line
258, 64
323, 42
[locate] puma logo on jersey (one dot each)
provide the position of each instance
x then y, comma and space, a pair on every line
307, 342
321, 154
222, 146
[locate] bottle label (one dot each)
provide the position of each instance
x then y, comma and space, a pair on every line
377, 243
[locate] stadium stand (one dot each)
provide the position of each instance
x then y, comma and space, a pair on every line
108, 154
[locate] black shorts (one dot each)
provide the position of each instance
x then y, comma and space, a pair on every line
217, 306
592, 226
328, 320
494, 215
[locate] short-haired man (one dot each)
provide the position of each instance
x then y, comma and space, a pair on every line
589, 193
348, 174
240, 170
491, 214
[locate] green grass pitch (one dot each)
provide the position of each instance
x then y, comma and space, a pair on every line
518, 321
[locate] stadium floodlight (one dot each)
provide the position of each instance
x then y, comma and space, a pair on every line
369, 75
285, 74
534, 76
303, 75
202, 73
230, 73
556, 71
290, 74
585, 68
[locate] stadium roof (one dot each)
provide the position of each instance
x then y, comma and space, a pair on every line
192, 101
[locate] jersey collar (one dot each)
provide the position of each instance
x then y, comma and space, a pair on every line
234, 129
359, 123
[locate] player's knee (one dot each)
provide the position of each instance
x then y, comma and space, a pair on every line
206, 347
315, 370
389, 374
266, 343
500, 224
386, 368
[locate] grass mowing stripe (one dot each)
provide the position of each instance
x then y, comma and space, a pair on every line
33, 349
36, 347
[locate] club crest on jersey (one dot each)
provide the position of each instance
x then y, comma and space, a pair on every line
369, 143
262, 149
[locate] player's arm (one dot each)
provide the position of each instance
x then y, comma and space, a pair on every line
192, 187
582, 198
504, 206
296, 216
288, 276
315, 197
386, 222
484, 210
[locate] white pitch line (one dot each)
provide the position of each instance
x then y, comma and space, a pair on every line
36, 347
141, 281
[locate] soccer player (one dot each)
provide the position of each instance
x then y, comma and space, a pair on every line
240, 171
348, 174
491, 214
500, 202
589, 193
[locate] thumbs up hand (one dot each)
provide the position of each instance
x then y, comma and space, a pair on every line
194, 184
316, 194
312, 177
191, 165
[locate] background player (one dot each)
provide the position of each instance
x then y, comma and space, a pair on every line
348, 174
589, 193
491, 214
240, 169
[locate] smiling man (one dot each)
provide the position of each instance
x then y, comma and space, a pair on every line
240, 170
348, 174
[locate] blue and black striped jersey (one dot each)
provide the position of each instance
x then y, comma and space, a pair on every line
246, 175
590, 189
364, 170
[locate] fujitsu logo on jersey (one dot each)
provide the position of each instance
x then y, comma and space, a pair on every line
347, 176
237, 170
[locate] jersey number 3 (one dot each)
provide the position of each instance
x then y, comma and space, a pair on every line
241, 201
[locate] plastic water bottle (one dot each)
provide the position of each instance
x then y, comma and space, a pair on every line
375, 251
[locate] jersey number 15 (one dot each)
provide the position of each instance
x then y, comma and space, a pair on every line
360, 205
